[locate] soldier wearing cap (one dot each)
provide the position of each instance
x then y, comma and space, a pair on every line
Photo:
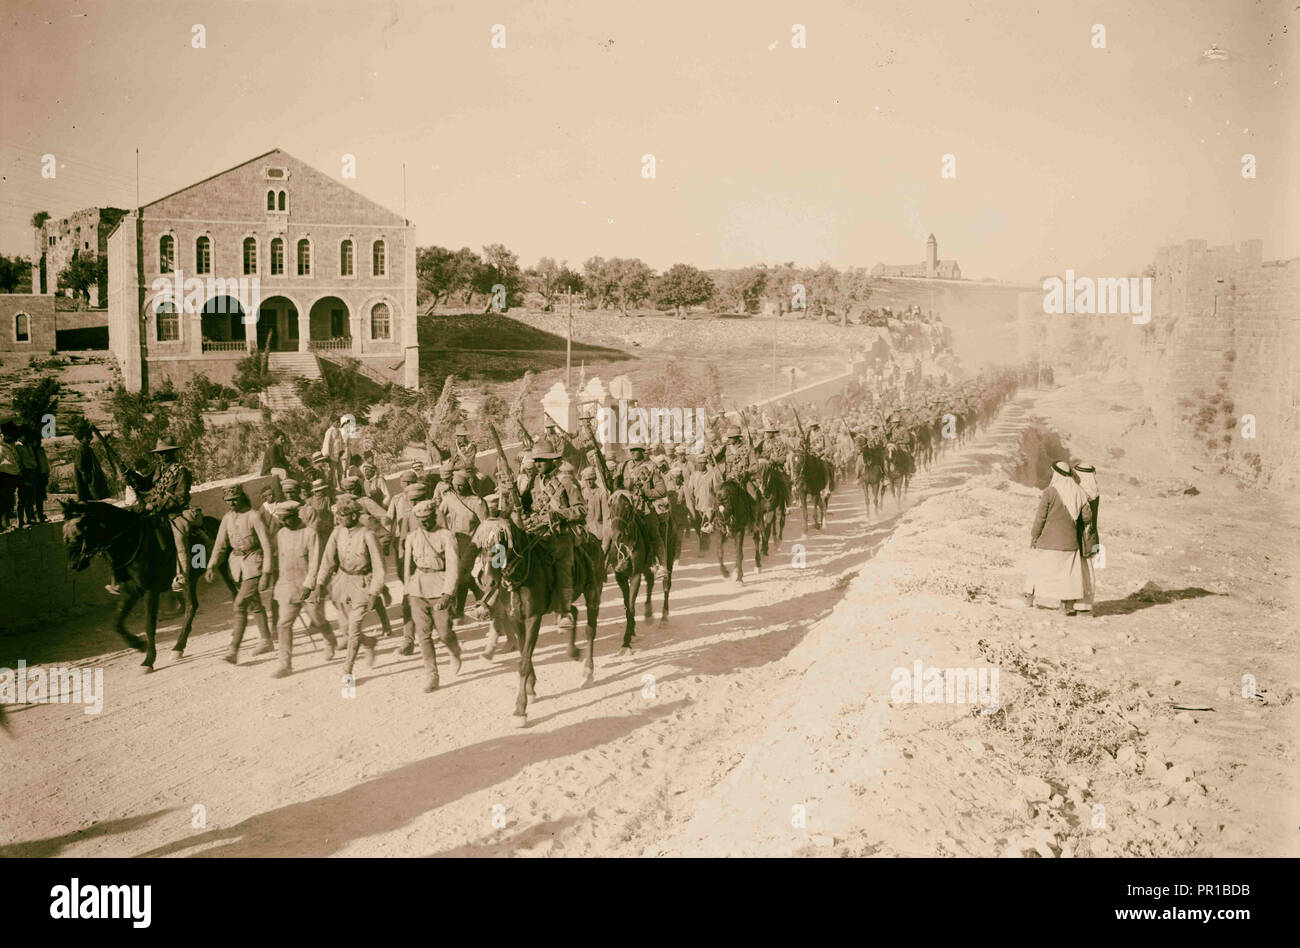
465, 453
432, 567
297, 560
373, 484
400, 523
642, 478
461, 511
702, 497
352, 559
317, 511
548, 493
596, 500
375, 519
243, 541
322, 470
553, 439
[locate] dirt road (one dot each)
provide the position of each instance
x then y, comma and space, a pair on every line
757, 721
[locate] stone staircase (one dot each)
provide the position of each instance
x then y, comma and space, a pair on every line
285, 369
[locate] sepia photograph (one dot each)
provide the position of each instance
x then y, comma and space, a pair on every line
623, 430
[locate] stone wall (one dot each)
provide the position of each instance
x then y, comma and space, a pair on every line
1223, 343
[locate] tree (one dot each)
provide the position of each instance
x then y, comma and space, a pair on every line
600, 278
683, 285
32, 403
39, 219
15, 275
441, 272
82, 272
499, 268
632, 282
743, 289
551, 280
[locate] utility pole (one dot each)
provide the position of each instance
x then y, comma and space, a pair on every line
568, 347
776, 316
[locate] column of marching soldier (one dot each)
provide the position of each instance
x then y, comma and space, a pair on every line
330, 535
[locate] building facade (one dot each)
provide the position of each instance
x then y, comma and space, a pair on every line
272, 255
932, 267
27, 323
60, 240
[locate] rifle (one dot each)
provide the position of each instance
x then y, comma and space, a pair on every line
601, 470
524, 436
802, 436
514, 488
113, 461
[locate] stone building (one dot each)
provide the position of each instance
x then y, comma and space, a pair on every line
273, 255
59, 240
27, 323
931, 267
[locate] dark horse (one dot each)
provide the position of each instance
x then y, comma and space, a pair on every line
872, 473
631, 556
143, 562
813, 476
737, 513
901, 468
522, 566
774, 492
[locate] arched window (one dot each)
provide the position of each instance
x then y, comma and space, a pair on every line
168, 322
277, 257
203, 255
283, 205
270, 200
380, 323
166, 253
304, 258
22, 328
345, 258
250, 254
377, 261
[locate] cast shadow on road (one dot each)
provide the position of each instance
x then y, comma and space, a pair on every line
1144, 600
54, 845
326, 825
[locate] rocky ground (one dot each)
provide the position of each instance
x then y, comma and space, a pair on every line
759, 719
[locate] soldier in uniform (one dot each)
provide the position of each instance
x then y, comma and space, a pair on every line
465, 454
242, 539
373, 484
738, 464
596, 499
168, 498
297, 560
375, 519
642, 478
401, 521
432, 567
549, 493
353, 555
461, 511
318, 505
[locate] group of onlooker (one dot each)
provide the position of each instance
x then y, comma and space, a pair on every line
24, 475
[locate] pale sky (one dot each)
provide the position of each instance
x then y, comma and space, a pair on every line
1066, 155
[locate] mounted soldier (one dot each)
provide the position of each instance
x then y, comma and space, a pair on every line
641, 477
166, 498
553, 502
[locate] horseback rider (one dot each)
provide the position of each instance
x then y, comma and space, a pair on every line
166, 497
557, 497
642, 478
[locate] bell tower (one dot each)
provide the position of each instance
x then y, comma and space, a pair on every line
931, 256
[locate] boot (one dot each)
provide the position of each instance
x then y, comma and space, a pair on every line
236, 636
350, 656
368, 644
264, 630
284, 671
453, 646
430, 664
285, 635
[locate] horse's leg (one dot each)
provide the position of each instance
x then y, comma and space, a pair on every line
191, 610
722, 552
649, 578
671, 549
150, 628
758, 555
130, 596
593, 612
740, 555
630, 585
532, 628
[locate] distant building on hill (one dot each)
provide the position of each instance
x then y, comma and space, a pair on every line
60, 240
931, 267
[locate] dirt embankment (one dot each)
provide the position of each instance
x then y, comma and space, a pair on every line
1164, 725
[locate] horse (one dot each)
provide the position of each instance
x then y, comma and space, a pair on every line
144, 564
901, 467
774, 489
813, 476
521, 565
736, 514
631, 556
673, 527
871, 474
